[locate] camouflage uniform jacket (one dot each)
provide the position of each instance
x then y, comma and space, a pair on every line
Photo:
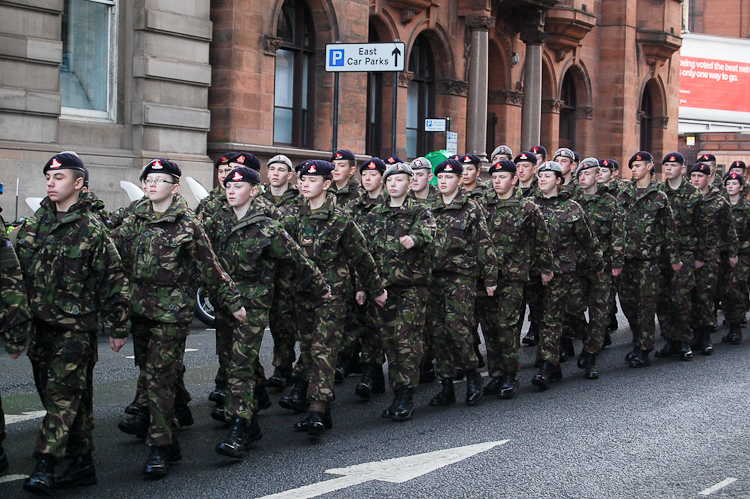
721, 234
161, 256
571, 238
530, 191
116, 217
217, 201
75, 279
687, 207
648, 223
361, 210
741, 217
349, 193
463, 245
15, 321
251, 251
605, 220
432, 194
331, 239
479, 195
290, 197
397, 265
520, 237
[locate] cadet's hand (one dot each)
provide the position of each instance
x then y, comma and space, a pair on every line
240, 315
676, 266
17, 354
616, 272
360, 297
698, 264
733, 261
407, 242
491, 290
546, 278
117, 343
327, 296
380, 300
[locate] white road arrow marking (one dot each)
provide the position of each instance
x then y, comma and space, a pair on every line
26, 416
12, 478
716, 487
398, 470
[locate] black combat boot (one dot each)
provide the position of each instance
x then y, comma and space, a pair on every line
567, 350
218, 414
219, 395
669, 350
277, 381
132, 409
41, 479
493, 386
378, 380
160, 457
340, 372
297, 398
607, 339
544, 377
262, 398
640, 358
317, 421
388, 411
474, 387
426, 372
446, 396
508, 386
137, 425
734, 336
364, 388
684, 352
460, 374
183, 415
532, 336
405, 406
239, 438
706, 347
80, 472
589, 367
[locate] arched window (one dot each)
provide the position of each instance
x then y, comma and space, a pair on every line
374, 138
293, 111
420, 100
568, 112
647, 121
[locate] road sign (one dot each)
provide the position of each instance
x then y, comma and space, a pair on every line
451, 142
434, 125
365, 57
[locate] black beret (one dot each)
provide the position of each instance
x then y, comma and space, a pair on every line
66, 161
470, 159
701, 168
299, 167
539, 150
449, 166
525, 156
503, 166
674, 157
392, 160
373, 164
162, 166
576, 157
707, 157
733, 176
243, 174
609, 163
738, 164
222, 160
640, 156
245, 159
316, 167
343, 154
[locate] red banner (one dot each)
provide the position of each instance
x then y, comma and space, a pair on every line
714, 84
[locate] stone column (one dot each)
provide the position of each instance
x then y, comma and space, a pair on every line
476, 109
531, 120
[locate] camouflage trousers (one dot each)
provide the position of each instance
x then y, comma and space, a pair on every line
596, 293
224, 342
639, 289
283, 321
352, 326
563, 302
498, 316
241, 373
450, 313
159, 350
370, 333
733, 289
675, 293
63, 365
703, 312
533, 295
319, 330
402, 320
181, 395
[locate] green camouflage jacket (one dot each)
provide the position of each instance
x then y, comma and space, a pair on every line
721, 235
290, 197
520, 237
333, 242
605, 219
251, 251
397, 265
462, 244
74, 277
162, 257
349, 193
530, 191
570, 235
741, 217
648, 223
432, 194
15, 315
687, 208
361, 211
217, 201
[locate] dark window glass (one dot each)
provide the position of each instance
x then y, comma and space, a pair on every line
568, 113
420, 101
647, 121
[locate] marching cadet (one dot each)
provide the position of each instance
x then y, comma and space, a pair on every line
648, 234
345, 185
75, 284
541, 154
216, 198
676, 287
464, 254
500, 153
334, 243
734, 291
714, 179
567, 160
162, 245
605, 221
721, 236
280, 189
526, 172
607, 170
250, 246
572, 242
520, 236
404, 229
470, 183
421, 189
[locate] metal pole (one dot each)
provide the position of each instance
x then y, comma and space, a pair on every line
395, 109
335, 138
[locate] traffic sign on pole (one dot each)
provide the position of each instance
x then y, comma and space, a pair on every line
365, 57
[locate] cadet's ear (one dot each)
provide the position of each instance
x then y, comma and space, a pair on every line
254, 191
326, 185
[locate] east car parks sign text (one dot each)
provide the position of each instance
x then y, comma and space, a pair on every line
365, 57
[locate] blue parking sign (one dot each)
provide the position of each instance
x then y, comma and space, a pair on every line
336, 58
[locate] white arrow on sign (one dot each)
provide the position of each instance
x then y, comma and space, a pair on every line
398, 470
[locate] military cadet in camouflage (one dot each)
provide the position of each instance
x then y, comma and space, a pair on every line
649, 234
15, 315
250, 246
715, 177
607, 170
526, 170
572, 244
163, 244
404, 230
280, 190
721, 237
422, 190
500, 153
733, 288
605, 220
676, 288
334, 243
520, 237
345, 185
75, 284
541, 154
566, 158
463, 254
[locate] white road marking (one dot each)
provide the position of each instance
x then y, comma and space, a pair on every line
398, 470
718, 486
12, 478
191, 349
26, 416
130, 357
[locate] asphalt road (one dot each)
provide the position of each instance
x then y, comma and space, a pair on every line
674, 429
